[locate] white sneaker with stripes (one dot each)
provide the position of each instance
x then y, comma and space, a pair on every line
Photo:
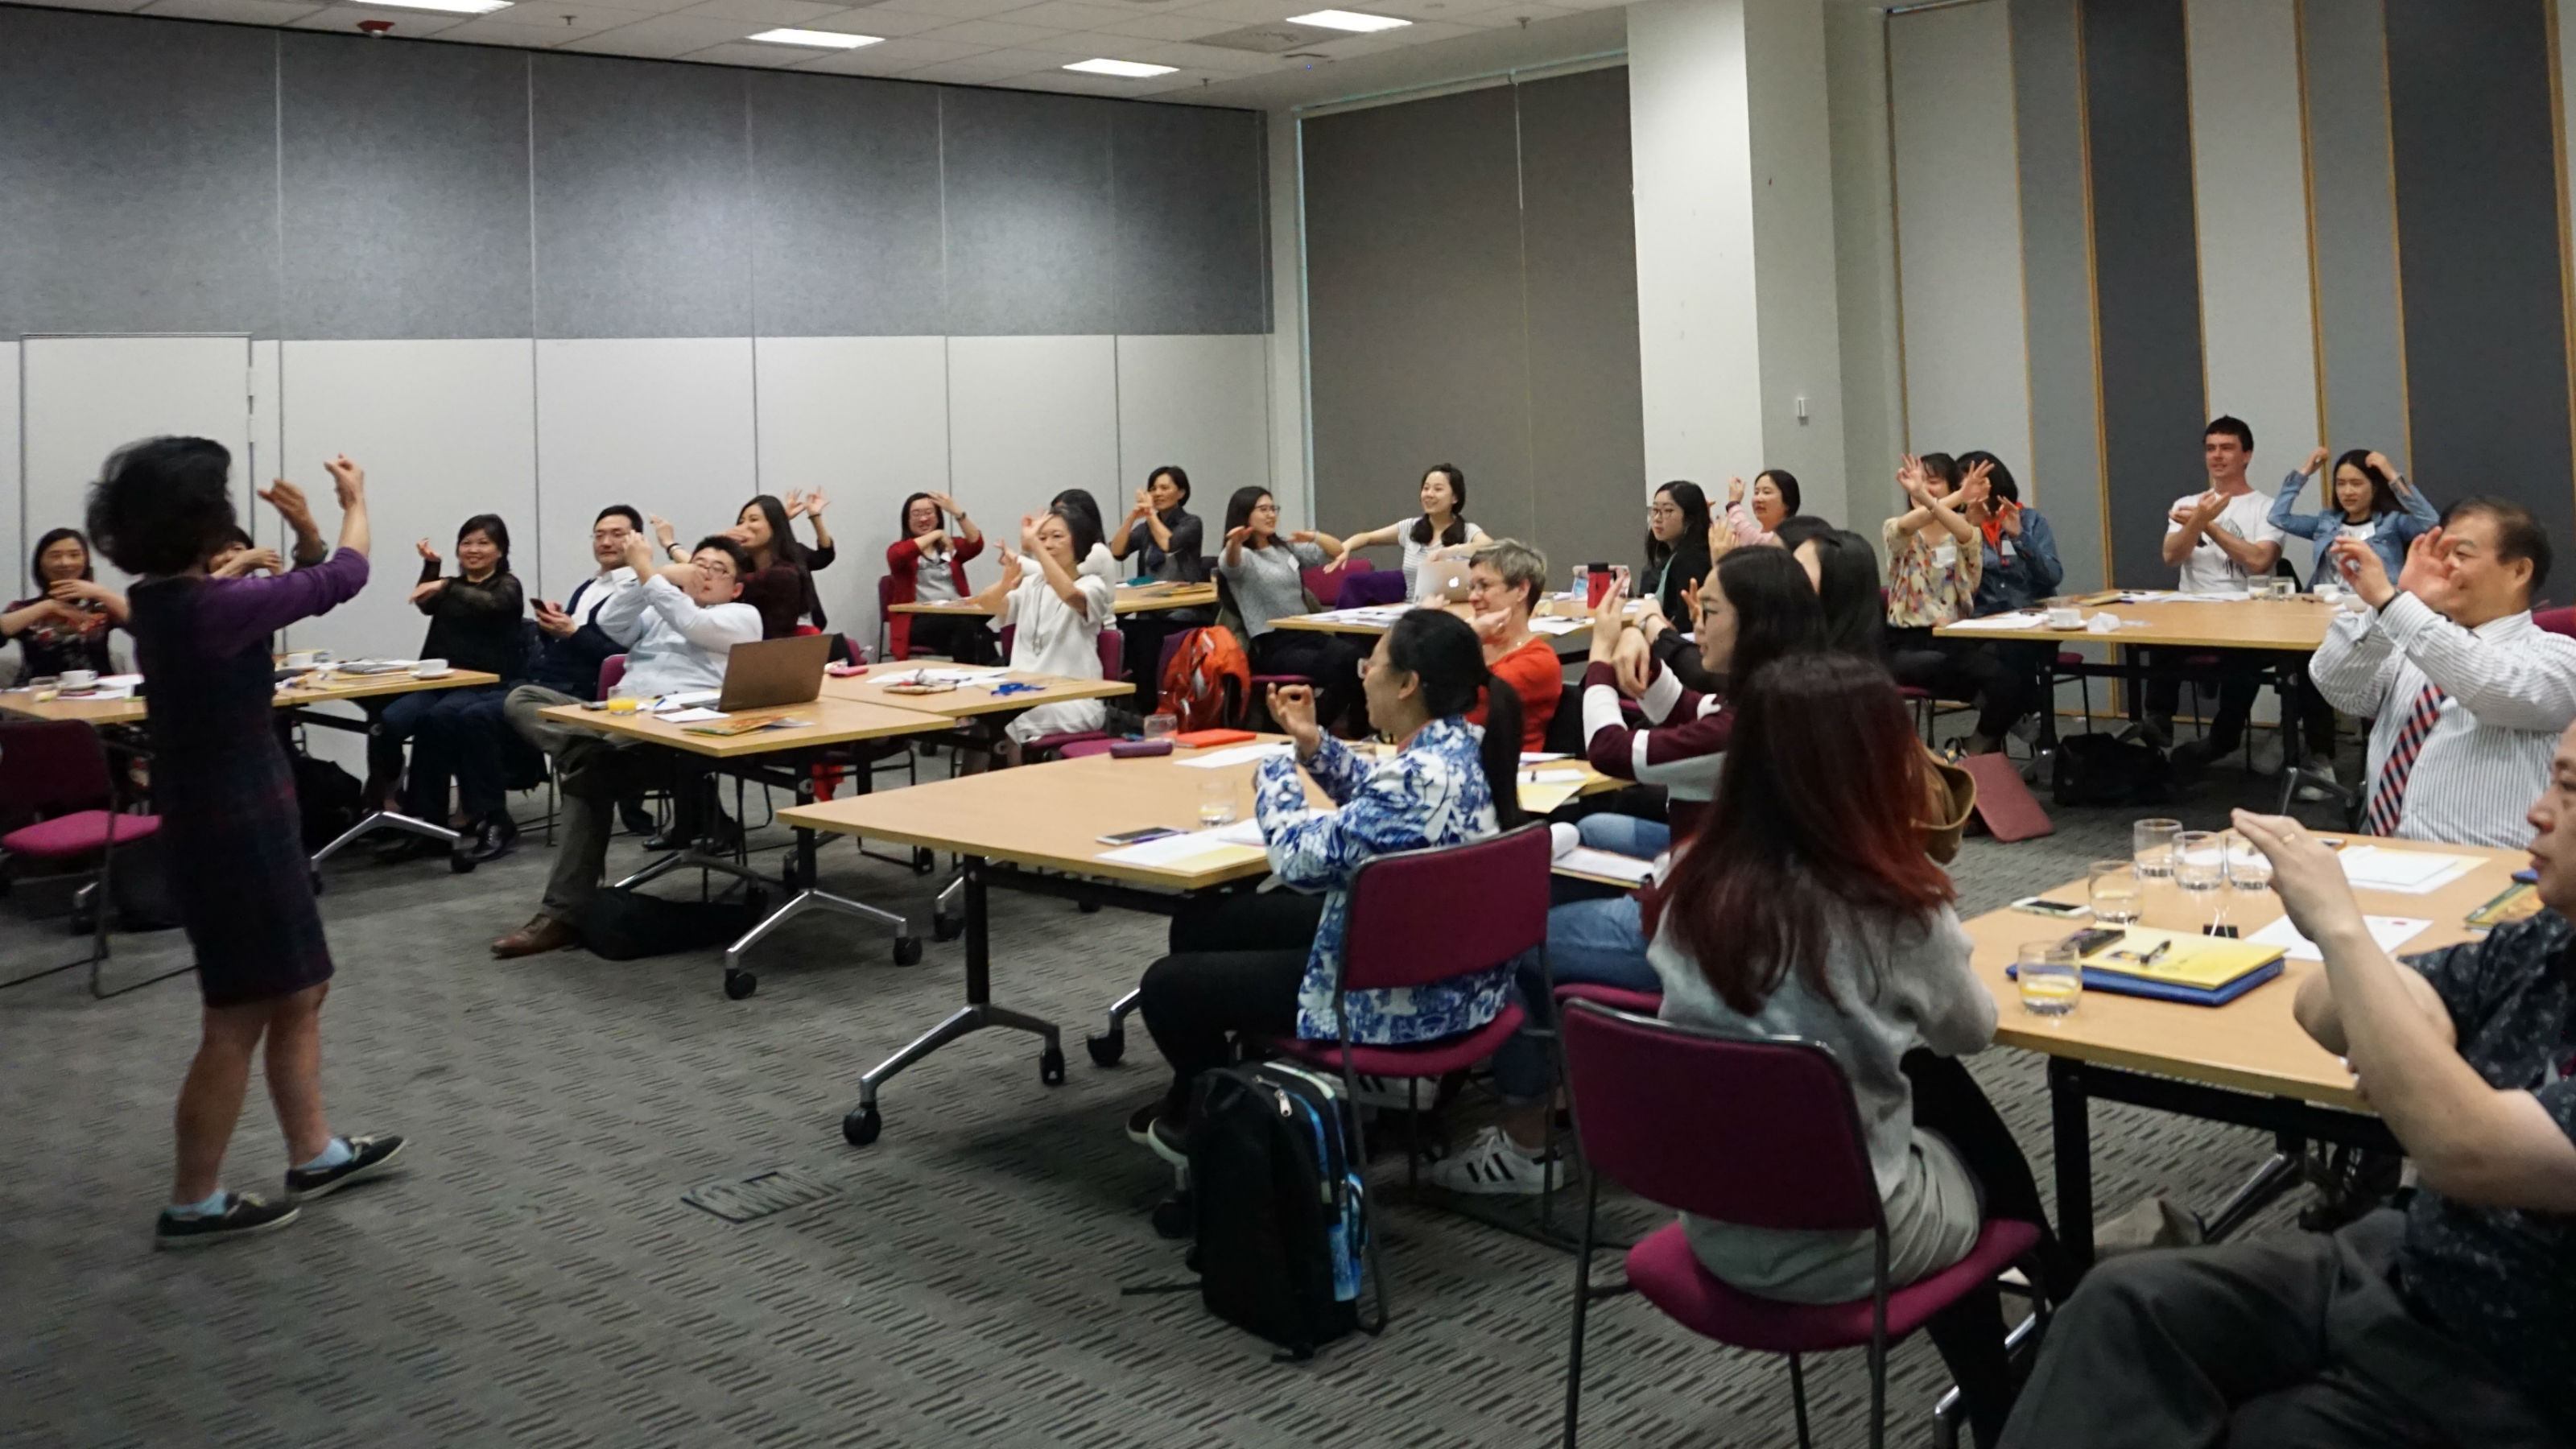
1492, 1166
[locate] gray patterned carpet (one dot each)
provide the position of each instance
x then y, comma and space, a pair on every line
534, 1278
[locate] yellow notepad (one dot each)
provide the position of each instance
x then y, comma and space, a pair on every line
2205, 962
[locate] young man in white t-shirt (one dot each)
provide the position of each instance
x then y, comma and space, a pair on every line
2220, 540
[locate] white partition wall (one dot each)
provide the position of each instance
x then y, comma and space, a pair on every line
13, 562
84, 397
662, 423
1958, 232
1196, 402
1029, 417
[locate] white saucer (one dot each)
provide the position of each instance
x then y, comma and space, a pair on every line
431, 673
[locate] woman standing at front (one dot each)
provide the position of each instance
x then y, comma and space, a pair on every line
226, 799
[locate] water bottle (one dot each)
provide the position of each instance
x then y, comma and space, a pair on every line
1582, 584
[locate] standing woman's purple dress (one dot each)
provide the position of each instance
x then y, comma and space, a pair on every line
220, 779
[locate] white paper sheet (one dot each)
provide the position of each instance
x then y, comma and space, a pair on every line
1173, 849
1556, 625
688, 716
2389, 932
2002, 622
689, 699
1239, 755
2403, 872
1609, 865
1540, 757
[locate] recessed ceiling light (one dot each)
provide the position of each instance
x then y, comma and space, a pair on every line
1132, 69
452, 7
1349, 20
818, 39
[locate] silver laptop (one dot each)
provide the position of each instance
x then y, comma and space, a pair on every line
774, 672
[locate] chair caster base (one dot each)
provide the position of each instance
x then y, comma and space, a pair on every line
1089, 908
1051, 1067
460, 865
907, 950
861, 1126
739, 984
944, 929
923, 862
1106, 1051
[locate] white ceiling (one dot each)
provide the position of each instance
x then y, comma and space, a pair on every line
1020, 44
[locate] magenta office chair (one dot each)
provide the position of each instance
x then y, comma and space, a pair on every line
60, 765
1758, 1131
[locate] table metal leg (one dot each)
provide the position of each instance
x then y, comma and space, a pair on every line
2070, 1120
864, 1122
396, 820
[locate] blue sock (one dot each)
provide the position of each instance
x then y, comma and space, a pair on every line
206, 1209
331, 1156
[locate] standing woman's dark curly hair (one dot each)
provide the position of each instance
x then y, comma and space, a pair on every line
1439, 649
163, 505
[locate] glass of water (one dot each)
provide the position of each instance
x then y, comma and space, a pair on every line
2117, 894
2051, 979
2199, 861
1216, 803
1161, 726
2248, 869
2151, 845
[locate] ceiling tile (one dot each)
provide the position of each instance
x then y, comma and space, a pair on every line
765, 12
1509, 15
1169, 27
907, 53
1431, 9
753, 53
953, 9
1247, 12
992, 65
994, 33
98, 4
1211, 59
541, 30
1071, 15
246, 12
667, 36
413, 23
877, 20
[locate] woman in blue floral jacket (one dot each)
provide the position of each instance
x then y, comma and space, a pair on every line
1268, 963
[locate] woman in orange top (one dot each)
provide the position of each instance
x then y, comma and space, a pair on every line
1505, 580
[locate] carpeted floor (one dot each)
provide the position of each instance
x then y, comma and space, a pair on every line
533, 1277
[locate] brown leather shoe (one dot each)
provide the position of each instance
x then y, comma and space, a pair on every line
540, 935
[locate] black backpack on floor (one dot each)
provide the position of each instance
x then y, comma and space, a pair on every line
327, 798
2097, 769
1282, 1218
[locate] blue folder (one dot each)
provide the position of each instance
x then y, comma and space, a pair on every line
2121, 983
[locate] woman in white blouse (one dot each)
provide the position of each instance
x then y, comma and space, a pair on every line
1058, 609
1440, 532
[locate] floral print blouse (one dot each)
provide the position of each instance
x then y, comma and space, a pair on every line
1431, 793
1931, 577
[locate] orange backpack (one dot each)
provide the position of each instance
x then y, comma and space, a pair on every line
1205, 684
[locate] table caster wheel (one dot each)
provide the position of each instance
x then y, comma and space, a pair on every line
1051, 1066
943, 928
923, 862
1172, 1216
739, 984
862, 1125
907, 950
314, 879
1106, 1050
460, 865
1090, 908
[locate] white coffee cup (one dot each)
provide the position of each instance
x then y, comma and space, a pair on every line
303, 658
2066, 618
79, 679
428, 668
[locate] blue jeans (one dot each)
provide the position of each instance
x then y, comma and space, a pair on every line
1596, 943
1625, 835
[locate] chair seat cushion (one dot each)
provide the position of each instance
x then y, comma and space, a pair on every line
1426, 1059
78, 833
2068, 659
1664, 1269
1049, 745
1640, 1003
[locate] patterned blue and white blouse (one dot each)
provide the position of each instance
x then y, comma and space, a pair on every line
1433, 792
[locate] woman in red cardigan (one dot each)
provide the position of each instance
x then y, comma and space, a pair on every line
927, 565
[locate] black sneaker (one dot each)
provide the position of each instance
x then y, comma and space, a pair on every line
1148, 1128
490, 839
244, 1215
366, 1154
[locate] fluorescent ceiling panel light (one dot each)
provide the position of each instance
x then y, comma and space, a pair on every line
1132, 69
1349, 20
817, 39
452, 7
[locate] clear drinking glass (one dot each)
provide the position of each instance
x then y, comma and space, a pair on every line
2117, 894
2248, 869
1216, 803
2051, 979
2151, 845
1582, 592
1161, 726
2199, 861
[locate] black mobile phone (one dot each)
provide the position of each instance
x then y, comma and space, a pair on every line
2085, 943
1139, 836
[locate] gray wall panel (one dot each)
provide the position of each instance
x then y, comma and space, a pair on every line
2473, 129
1579, 225
2354, 227
2147, 270
1031, 230
138, 173
845, 182
1191, 231
406, 188
1414, 312
642, 204
2057, 283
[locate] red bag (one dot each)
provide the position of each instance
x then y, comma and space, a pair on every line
1205, 684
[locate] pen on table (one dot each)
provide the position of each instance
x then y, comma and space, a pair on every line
2152, 957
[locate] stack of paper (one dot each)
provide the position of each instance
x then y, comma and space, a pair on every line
1555, 625
2403, 872
2025, 619
1543, 791
1239, 755
1583, 860
1174, 849
2387, 932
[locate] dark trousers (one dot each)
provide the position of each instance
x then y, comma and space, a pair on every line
1966, 670
2293, 1343
1235, 966
431, 720
469, 737
1970, 1332
1331, 660
964, 640
2237, 676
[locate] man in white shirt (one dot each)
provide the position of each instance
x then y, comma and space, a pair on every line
2219, 540
678, 630
2466, 696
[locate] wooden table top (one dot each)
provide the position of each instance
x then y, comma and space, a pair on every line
2296, 625
968, 700
1053, 815
2251, 1044
1573, 640
831, 722
339, 687
1132, 599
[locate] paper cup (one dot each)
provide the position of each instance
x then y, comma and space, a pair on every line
2066, 618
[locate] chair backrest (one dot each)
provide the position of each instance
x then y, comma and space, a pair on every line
1327, 586
1084, 749
611, 670
1756, 1131
1371, 590
1565, 727
1163, 665
1113, 654
1420, 916
48, 764
2557, 621
885, 616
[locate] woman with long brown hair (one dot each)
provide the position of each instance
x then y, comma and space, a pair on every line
1805, 906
